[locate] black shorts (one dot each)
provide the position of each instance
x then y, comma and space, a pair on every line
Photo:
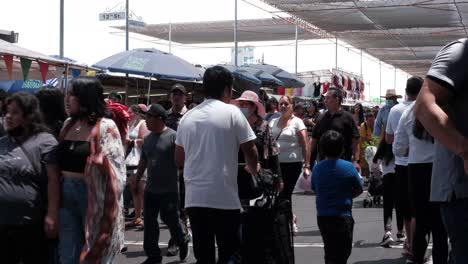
403, 198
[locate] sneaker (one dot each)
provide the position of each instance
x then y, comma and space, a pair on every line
184, 251
386, 240
172, 248
401, 237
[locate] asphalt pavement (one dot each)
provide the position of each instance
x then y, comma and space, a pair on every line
368, 232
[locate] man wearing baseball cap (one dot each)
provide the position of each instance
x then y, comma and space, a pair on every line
161, 191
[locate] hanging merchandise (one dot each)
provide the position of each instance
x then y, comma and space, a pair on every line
358, 85
361, 85
9, 65
25, 66
281, 91
317, 86
326, 85
345, 82
353, 84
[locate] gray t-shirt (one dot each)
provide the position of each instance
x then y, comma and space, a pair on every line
450, 69
159, 153
23, 187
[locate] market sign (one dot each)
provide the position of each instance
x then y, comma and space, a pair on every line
107, 16
135, 23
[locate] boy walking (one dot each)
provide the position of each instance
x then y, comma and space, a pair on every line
162, 190
336, 182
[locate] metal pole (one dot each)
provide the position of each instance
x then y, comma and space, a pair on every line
127, 14
380, 78
235, 33
170, 37
295, 63
361, 63
62, 14
394, 78
336, 53
149, 91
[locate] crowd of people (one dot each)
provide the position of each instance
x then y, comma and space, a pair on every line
64, 167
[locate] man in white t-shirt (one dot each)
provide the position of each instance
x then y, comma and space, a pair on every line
207, 146
413, 86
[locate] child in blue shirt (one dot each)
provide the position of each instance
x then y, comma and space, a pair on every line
336, 182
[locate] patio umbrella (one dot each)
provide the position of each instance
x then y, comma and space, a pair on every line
287, 78
243, 80
267, 79
29, 86
151, 63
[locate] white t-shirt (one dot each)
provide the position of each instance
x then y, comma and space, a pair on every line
392, 125
211, 134
420, 151
288, 142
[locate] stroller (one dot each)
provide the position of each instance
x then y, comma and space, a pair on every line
266, 227
375, 190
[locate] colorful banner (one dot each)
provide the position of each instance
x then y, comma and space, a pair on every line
9, 65
76, 73
44, 69
25, 66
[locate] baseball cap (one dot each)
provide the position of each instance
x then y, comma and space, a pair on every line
157, 110
178, 87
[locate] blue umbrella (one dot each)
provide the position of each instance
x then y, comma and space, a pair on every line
243, 80
267, 79
29, 86
151, 63
287, 78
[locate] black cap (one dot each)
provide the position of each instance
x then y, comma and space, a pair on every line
178, 87
157, 110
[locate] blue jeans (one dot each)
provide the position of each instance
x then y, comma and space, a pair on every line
71, 220
168, 205
455, 216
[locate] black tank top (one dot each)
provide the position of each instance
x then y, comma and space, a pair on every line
72, 155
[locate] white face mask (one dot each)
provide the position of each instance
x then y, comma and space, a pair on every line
245, 111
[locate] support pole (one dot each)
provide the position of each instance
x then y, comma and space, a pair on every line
127, 14
336, 53
361, 63
394, 78
62, 16
170, 37
380, 78
235, 33
149, 92
295, 62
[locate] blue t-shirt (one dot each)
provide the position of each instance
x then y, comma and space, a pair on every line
334, 182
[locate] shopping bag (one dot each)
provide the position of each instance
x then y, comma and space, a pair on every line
304, 184
133, 157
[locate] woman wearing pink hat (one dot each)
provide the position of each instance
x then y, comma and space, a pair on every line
137, 130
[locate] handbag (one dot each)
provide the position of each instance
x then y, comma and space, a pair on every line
249, 186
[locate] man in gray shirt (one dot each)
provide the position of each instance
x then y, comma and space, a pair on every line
442, 107
162, 190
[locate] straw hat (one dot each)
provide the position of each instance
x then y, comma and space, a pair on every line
251, 97
391, 93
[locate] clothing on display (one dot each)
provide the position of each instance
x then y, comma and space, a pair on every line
326, 85
317, 90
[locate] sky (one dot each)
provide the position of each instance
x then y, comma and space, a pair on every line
89, 40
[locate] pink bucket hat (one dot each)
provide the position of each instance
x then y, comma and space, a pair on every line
251, 97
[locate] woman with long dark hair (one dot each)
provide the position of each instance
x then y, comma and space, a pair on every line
412, 140
28, 183
91, 159
358, 114
53, 109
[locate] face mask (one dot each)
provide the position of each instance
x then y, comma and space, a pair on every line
389, 103
245, 111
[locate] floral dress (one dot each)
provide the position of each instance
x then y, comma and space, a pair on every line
105, 177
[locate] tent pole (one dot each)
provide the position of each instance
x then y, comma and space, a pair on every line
62, 15
127, 14
235, 33
149, 90
380, 78
336, 53
65, 80
361, 63
295, 63
170, 37
394, 78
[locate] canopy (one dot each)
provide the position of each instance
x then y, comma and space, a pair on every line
267, 79
287, 78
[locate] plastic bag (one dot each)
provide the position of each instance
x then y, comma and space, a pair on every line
134, 157
304, 184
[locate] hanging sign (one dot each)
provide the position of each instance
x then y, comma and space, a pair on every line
44, 69
25, 66
108, 16
9, 65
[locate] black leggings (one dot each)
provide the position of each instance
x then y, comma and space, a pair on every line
428, 217
390, 196
290, 173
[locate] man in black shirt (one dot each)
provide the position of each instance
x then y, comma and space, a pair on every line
335, 118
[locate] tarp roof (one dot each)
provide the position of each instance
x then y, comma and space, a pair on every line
222, 31
404, 33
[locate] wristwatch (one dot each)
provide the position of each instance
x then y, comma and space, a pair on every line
306, 166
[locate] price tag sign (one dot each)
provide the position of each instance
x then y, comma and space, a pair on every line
112, 16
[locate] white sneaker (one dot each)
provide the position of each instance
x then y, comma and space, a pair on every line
386, 240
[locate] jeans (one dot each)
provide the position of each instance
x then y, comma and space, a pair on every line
455, 216
210, 225
168, 205
23, 244
71, 220
337, 235
390, 195
428, 217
